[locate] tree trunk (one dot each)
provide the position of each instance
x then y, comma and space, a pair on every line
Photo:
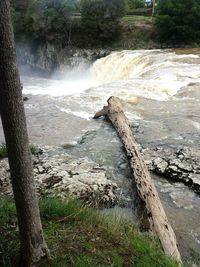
33, 245
153, 8
157, 218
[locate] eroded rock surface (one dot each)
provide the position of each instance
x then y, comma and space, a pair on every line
60, 174
180, 164
66, 176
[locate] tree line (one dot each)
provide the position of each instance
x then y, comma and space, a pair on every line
60, 21
176, 21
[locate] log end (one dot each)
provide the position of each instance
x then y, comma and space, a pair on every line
102, 112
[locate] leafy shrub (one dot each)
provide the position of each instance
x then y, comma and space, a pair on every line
178, 21
133, 4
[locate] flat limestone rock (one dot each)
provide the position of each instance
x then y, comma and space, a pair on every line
65, 176
182, 165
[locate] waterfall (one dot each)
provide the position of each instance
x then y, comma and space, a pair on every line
154, 74
120, 66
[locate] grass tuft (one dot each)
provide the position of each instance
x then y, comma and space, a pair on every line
9, 245
3, 151
34, 149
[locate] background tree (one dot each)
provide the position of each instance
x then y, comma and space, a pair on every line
101, 18
33, 245
53, 19
23, 23
178, 21
45, 19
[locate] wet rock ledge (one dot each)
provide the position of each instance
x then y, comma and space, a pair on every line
178, 165
62, 175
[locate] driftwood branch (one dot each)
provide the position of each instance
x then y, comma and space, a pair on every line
157, 218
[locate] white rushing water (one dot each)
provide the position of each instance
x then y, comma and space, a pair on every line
137, 77
151, 74
41, 86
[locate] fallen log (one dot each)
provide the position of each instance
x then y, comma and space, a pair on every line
157, 218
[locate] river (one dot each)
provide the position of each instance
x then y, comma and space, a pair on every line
160, 91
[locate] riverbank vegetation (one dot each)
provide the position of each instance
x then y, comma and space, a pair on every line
178, 22
35, 150
80, 236
91, 24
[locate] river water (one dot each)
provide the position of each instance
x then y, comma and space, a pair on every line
160, 91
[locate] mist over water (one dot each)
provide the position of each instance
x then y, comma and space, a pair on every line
55, 87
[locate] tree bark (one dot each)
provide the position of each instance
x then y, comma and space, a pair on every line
153, 8
33, 245
157, 218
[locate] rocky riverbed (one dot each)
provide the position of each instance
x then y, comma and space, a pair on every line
60, 174
178, 165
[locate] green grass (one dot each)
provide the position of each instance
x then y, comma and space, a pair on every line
81, 237
9, 244
132, 19
3, 151
137, 33
34, 149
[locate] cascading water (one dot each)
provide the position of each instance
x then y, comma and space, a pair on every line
152, 74
156, 74
161, 96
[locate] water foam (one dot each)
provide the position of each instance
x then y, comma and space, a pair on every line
57, 87
152, 74
80, 114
